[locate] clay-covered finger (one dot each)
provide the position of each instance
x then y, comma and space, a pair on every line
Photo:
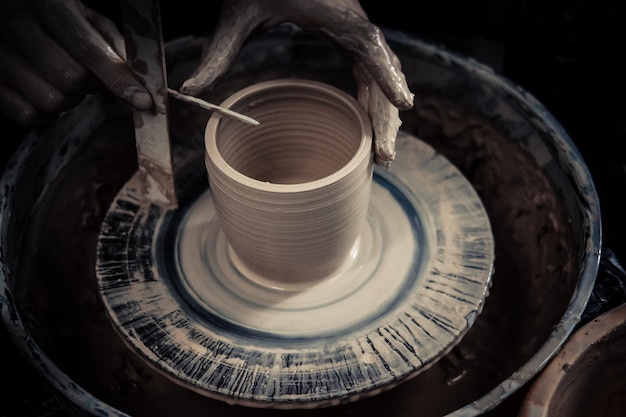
384, 116
384, 66
86, 45
235, 24
367, 44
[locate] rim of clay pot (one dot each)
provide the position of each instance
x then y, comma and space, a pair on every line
575, 354
363, 151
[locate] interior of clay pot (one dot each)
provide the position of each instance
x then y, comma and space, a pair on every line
536, 190
304, 135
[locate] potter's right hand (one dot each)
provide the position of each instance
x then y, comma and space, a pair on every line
53, 53
383, 89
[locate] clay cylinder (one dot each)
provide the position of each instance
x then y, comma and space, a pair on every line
292, 193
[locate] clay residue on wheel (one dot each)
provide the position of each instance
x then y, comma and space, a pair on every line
535, 274
536, 257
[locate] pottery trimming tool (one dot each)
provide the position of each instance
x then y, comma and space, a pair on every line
146, 58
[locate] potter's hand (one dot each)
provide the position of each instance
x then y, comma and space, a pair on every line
53, 53
382, 85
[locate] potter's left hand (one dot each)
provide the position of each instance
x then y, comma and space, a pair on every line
55, 52
383, 89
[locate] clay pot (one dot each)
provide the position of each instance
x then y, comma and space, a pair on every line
588, 375
292, 193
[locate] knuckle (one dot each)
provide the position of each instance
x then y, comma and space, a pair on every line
74, 79
26, 117
17, 108
55, 102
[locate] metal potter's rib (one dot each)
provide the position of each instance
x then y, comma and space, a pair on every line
146, 58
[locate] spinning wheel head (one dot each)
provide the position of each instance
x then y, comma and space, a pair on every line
418, 278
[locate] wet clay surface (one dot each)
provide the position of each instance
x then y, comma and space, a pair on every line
534, 272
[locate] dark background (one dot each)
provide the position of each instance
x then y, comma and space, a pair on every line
568, 54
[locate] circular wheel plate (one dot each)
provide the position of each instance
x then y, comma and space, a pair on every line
417, 278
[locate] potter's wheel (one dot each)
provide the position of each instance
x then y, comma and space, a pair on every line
540, 198
417, 279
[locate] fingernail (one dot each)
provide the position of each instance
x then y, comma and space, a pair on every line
388, 150
140, 99
407, 101
188, 87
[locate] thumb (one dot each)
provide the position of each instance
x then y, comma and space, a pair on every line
383, 113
